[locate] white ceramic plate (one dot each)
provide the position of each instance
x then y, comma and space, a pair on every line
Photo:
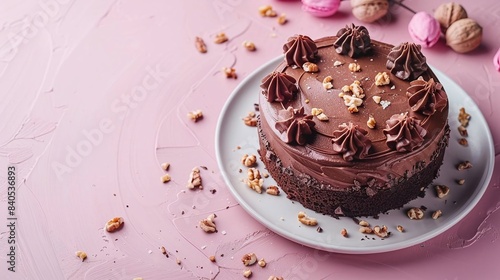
279, 214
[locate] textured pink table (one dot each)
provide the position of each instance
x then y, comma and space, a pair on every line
94, 98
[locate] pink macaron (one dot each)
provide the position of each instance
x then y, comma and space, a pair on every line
424, 29
496, 60
321, 8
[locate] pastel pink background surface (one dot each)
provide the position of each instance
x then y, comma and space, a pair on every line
95, 96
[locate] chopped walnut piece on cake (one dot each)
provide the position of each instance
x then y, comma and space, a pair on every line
327, 82
371, 122
354, 67
310, 67
282, 19
382, 78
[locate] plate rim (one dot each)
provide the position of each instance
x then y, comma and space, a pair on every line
482, 185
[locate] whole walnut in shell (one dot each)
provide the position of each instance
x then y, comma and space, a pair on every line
448, 13
369, 10
464, 35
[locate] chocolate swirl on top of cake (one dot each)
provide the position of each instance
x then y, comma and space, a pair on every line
426, 97
353, 41
404, 133
351, 141
406, 61
278, 87
295, 126
300, 49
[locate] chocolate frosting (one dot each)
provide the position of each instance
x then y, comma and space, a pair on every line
278, 87
351, 142
404, 133
353, 41
406, 61
426, 97
300, 49
295, 126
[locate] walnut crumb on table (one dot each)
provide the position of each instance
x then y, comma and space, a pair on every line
81, 254
195, 115
114, 224
208, 224
249, 259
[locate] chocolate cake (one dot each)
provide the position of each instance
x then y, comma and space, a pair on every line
350, 126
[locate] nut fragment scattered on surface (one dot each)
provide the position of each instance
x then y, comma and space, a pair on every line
138, 278
337, 63
249, 45
318, 113
272, 277
343, 232
249, 259
310, 67
306, 220
461, 181
163, 251
200, 45
250, 119
282, 19
327, 82
463, 131
262, 263
208, 224
166, 178
382, 78
463, 117
381, 231
81, 254
436, 214
400, 228
415, 213
371, 123
247, 273
230, 72
249, 160
267, 11
195, 115
442, 191
363, 223
376, 98
165, 166
352, 102
114, 224
463, 142
212, 258
273, 190
354, 67
367, 230
195, 179
220, 38
254, 180
464, 165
